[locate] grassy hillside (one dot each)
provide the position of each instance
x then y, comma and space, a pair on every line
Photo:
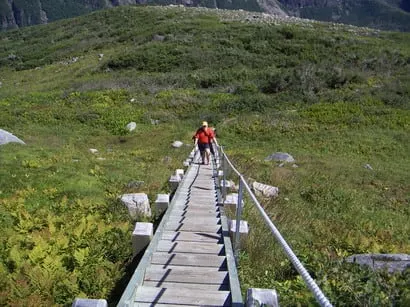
334, 97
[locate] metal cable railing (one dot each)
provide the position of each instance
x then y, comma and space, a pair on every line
223, 161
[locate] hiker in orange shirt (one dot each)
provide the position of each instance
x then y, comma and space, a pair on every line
204, 137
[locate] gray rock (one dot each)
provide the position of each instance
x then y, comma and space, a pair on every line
135, 184
177, 144
154, 121
265, 190
368, 166
280, 156
131, 126
93, 150
7, 137
391, 262
137, 204
158, 38
86, 302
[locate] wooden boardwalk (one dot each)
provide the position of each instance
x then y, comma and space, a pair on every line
189, 261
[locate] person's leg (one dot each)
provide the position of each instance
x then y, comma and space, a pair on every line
208, 155
203, 156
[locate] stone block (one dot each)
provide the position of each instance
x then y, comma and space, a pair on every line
137, 204
162, 202
243, 231
141, 236
231, 201
179, 172
174, 181
86, 302
225, 186
261, 297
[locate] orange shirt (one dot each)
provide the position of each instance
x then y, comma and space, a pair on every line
204, 136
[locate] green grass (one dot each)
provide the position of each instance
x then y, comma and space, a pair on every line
334, 99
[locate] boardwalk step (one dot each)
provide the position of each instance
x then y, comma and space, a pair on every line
207, 220
201, 275
188, 247
199, 236
210, 287
182, 296
193, 227
186, 259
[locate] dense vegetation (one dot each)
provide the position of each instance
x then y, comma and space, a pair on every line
335, 98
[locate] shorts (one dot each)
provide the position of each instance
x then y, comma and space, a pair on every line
204, 147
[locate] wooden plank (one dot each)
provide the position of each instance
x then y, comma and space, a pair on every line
190, 247
197, 214
200, 275
182, 296
199, 206
213, 287
200, 260
193, 227
191, 236
203, 220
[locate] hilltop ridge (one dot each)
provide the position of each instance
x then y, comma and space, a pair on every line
381, 14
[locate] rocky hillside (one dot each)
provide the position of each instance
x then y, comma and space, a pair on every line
382, 14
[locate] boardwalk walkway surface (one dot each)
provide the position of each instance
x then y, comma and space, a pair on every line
189, 261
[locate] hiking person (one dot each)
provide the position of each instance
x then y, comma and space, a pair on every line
204, 137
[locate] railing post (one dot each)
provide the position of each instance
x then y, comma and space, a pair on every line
238, 220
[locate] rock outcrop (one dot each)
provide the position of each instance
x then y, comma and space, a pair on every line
7, 137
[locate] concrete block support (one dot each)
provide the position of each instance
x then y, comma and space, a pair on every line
141, 236
225, 188
261, 297
85, 302
179, 172
243, 231
161, 203
231, 201
174, 181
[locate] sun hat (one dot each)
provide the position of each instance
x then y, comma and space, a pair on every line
204, 124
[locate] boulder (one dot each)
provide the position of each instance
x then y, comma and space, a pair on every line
265, 190
158, 37
131, 126
280, 156
137, 204
391, 262
177, 144
7, 137
93, 150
